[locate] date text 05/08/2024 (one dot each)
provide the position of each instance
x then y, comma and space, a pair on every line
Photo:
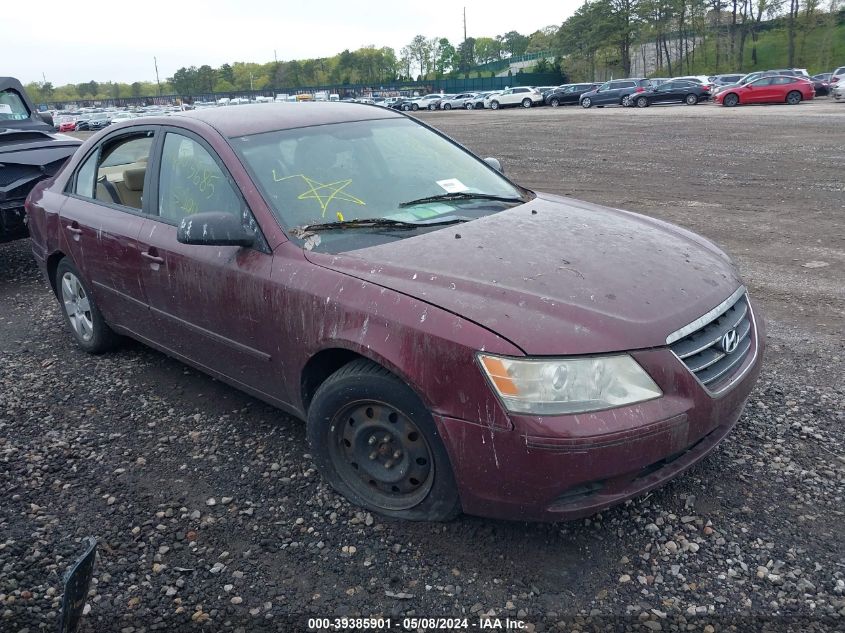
484, 623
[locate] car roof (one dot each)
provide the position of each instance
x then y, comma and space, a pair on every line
267, 117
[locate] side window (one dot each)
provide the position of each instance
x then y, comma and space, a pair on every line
85, 177
191, 181
121, 170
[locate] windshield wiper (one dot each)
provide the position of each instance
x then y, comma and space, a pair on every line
366, 223
460, 195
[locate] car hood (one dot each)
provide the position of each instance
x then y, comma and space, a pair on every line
555, 275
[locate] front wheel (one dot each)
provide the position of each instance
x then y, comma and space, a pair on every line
691, 99
80, 311
554, 103
469, 106
642, 102
586, 102
375, 442
526, 103
494, 105
415, 107
730, 100
447, 106
793, 98
406, 107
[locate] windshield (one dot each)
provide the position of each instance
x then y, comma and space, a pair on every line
368, 169
12, 107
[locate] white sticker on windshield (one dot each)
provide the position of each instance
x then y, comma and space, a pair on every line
5, 108
452, 185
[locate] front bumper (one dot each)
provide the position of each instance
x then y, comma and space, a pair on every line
555, 468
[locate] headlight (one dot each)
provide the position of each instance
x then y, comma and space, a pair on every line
568, 385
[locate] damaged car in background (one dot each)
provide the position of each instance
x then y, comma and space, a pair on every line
454, 342
29, 152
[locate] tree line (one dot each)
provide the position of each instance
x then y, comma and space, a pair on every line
602, 38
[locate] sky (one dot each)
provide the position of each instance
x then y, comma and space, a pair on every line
84, 40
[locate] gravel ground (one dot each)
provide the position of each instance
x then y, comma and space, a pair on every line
210, 514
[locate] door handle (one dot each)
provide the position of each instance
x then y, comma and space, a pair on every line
153, 258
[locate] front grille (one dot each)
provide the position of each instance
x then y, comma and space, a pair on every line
704, 351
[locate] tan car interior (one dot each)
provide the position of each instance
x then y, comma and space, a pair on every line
122, 184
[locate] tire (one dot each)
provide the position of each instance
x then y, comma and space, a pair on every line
415, 107
362, 423
642, 102
526, 103
554, 103
431, 106
691, 99
494, 105
406, 107
586, 102
793, 98
730, 100
447, 106
81, 314
625, 101
469, 106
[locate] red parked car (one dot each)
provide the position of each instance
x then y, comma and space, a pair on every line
67, 126
453, 340
777, 89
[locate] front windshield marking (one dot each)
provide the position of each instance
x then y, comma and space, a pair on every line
366, 169
12, 107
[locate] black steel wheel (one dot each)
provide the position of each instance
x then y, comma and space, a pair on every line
376, 443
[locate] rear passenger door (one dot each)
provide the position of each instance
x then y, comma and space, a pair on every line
101, 220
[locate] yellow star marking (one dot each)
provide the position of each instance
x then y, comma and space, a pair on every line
331, 191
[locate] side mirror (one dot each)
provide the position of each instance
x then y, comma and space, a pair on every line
495, 164
749, 86
46, 117
214, 228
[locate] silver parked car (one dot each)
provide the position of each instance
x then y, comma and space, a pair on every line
839, 91
456, 101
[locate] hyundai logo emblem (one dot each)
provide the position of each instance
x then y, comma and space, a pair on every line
729, 342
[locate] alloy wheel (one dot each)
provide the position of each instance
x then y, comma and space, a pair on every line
77, 306
382, 455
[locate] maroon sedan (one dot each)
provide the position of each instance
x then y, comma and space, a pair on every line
777, 89
453, 340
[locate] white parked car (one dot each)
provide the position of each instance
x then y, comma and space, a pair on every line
837, 76
525, 97
838, 91
424, 102
488, 98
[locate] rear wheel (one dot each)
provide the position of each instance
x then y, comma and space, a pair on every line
375, 442
469, 106
447, 106
793, 98
406, 107
526, 103
730, 100
626, 101
415, 107
586, 102
642, 102
80, 311
554, 103
691, 99
494, 105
